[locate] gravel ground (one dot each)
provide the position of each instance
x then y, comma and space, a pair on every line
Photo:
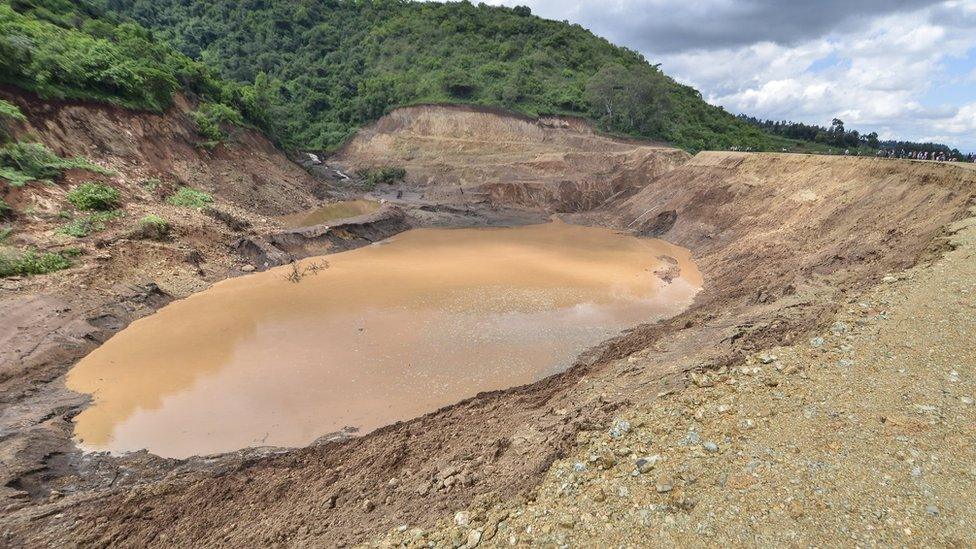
863, 436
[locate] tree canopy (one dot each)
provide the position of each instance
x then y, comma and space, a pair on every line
316, 70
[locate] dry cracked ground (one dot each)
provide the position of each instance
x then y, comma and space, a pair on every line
865, 436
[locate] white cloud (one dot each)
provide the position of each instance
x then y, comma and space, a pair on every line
883, 70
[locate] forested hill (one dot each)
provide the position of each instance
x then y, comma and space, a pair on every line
320, 69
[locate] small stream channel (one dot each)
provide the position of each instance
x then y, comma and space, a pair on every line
371, 336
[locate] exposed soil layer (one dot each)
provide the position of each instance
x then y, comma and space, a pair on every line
467, 155
780, 239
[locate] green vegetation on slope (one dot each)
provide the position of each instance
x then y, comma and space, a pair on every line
316, 70
22, 162
66, 49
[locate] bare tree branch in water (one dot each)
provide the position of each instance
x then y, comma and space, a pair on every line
298, 272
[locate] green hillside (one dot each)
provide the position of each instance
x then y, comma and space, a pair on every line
70, 50
320, 69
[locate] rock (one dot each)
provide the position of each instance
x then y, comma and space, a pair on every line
701, 380
710, 447
330, 502
932, 510
462, 518
646, 464
599, 496
474, 538
606, 460
620, 428
968, 401
817, 342
566, 521
768, 358
839, 328
368, 505
889, 279
663, 484
579, 467
247, 269
845, 363
447, 472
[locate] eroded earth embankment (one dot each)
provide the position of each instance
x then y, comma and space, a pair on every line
781, 240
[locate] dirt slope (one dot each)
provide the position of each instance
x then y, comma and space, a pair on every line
50, 321
782, 240
466, 155
861, 435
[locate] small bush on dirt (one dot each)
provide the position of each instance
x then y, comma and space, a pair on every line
387, 175
6, 210
94, 196
211, 117
30, 262
190, 198
89, 224
5, 233
152, 227
8, 112
22, 162
151, 184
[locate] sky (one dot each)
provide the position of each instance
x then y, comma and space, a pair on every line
903, 68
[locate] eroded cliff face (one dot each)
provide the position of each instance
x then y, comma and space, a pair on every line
248, 170
468, 155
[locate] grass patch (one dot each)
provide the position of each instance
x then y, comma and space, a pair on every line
152, 227
94, 196
375, 176
5, 233
89, 224
31, 262
22, 162
190, 198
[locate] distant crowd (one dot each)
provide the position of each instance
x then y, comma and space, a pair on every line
936, 156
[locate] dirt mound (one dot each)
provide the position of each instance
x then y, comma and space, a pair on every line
464, 155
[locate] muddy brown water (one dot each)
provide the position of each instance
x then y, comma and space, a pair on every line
329, 213
384, 333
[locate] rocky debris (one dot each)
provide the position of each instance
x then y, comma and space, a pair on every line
804, 453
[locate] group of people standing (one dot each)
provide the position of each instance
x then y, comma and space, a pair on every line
937, 156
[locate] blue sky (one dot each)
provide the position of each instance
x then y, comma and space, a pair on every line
903, 68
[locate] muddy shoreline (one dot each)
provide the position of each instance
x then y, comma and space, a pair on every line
59, 330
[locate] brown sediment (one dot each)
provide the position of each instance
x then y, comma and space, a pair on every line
343, 209
780, 240
379, 334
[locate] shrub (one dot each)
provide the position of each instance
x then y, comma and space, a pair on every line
87, 225
5, 209
5, 233
152, 227
22, 162
212, 116
374, 176
8, 112
94, 196
190, 198
30, 262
